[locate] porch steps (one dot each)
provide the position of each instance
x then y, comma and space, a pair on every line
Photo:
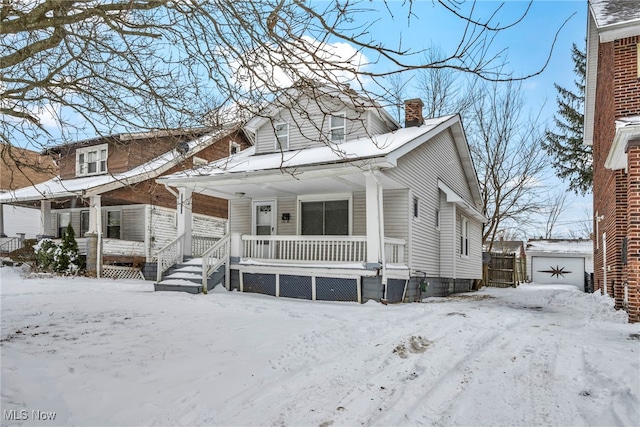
187, 277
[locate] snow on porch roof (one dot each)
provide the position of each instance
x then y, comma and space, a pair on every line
98, 184
360, 149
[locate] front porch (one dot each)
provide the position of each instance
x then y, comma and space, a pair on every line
322, 268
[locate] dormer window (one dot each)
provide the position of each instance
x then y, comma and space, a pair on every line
282, 136
91, 160
338, 124
234, 148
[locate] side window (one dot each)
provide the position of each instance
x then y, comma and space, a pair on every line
337, 129
113, 224
464, 237
415, 208
64, 218
282, 136
84, 223
234, 148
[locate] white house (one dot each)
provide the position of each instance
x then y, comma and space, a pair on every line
335, 201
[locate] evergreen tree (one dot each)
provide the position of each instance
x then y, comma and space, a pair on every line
572, 159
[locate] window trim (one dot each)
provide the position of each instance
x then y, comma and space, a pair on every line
277, 145
464, 237
82, 213
331, 197
60, 227
342, 114
82, 166
415, 208
234, 148
106, 224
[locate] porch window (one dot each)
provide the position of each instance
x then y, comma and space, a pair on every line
330, 218
282, 136
64, 218
113, 224
91, 160
84, 223
338, 124
464, 237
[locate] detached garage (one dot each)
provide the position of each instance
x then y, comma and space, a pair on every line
559, 261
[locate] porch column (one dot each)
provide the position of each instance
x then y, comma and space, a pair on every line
185, 218
94, 237
45, 218
2, 220
374, 220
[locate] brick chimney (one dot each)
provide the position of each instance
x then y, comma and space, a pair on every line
413, 112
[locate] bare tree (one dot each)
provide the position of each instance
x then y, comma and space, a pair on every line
555, 207
505, 146
443, 90
88, 67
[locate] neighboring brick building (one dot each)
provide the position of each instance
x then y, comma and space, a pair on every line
106, 191
612, 126
19, 168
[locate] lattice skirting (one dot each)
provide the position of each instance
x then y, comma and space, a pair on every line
119, 272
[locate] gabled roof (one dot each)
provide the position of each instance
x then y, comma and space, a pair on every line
314, 90
351, 157
98, 184
607, 20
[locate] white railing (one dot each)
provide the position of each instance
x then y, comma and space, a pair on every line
213, 258
11, 244
318, 248
306, 248
200, 244
394, 250
169, 255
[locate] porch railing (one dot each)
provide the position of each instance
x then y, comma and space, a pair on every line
394, 250
317, 248
213, 258
169, 255
10, 245
200, 244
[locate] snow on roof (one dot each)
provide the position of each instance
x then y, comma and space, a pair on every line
560, 246
628, 121
98, 184
612, 12
362, 148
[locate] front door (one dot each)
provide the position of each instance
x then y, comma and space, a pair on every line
264, 224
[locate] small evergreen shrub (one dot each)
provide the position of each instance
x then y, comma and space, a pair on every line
61, 259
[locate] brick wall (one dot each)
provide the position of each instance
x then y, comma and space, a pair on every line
632, 269
616, 193
150, 192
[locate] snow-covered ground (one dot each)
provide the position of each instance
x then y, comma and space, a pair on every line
104, 352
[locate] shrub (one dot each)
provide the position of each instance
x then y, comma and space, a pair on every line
63, 258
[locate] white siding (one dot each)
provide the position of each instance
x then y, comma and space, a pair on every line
21, 220
432, 250
240, 216
163, 228
359, 214
312, 128
209, 226
287, 205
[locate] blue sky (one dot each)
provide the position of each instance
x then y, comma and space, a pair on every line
527, 47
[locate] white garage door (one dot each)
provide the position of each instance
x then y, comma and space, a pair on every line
554, 270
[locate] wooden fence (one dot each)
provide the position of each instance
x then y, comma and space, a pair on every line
504, 270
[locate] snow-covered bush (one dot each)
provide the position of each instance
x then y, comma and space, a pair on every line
61, 259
